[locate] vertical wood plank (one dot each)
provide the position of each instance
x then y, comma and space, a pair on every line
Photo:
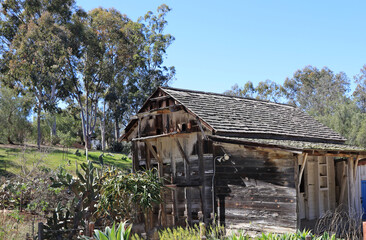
40, 231
148, 157
161, 174
297, 184
202, 175
135, 156
316, 189
189, 205
331, 181
344, 184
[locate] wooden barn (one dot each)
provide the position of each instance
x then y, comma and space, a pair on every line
247, 163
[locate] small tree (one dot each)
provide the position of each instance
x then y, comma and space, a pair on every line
123, 196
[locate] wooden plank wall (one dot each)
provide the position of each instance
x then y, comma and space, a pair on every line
189, 194
257, 189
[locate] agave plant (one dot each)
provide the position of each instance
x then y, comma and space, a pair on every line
123, 232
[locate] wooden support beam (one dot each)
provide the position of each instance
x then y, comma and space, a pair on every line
351, 183
159, 98
201, 128
201, 166
148, 159
181, 150
344, 184
159, 111
139, 128
189, 205
302, 169
355, 168
135, 157
152, 150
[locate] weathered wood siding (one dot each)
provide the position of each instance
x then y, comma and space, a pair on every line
256, 188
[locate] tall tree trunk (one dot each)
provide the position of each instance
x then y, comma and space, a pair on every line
116, 128
39, 133
102, 128
54, 129
87, 146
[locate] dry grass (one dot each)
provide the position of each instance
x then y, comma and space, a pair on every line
15, 225
341, 222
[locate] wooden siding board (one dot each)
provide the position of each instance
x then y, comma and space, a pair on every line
259, 187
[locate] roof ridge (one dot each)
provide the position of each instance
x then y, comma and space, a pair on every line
229, 96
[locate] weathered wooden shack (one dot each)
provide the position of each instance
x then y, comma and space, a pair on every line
247, 163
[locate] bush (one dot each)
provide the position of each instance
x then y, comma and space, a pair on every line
123, 232
33, 193
123, 195
120, 147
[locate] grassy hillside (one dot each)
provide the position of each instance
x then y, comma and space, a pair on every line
13, 159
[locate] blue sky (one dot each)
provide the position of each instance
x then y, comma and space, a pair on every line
220, 43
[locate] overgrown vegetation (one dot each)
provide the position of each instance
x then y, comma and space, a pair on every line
342, 222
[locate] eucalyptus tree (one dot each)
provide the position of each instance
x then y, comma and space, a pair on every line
360, 91
117, 34
34, 45
150, 71
136, 52
265, 90
37, 64
317, 91
14, 110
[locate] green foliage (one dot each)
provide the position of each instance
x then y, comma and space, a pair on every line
123, 232
192, 233
14, 109
267, 90
123, 195
58, 223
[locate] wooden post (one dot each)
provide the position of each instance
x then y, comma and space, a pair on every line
91, 229
302, 169
86, 229
297, 179
202, 176
222, 210
351, 184
148, 159
135, 156
189, 205
344, 184
40, 231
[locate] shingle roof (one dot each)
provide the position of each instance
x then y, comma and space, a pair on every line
296, 145
230, 114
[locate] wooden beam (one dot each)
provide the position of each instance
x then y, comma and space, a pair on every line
201, 128
355, 168
152, 150
148, 160
155, 136
182, 153
351, 183
159, 98
135, 157
201, 166
139, 128
344, 184
158, 111
302, 169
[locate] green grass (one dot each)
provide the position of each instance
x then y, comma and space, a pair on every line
12, 159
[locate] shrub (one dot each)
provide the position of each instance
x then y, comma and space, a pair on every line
123, 232
123, 195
